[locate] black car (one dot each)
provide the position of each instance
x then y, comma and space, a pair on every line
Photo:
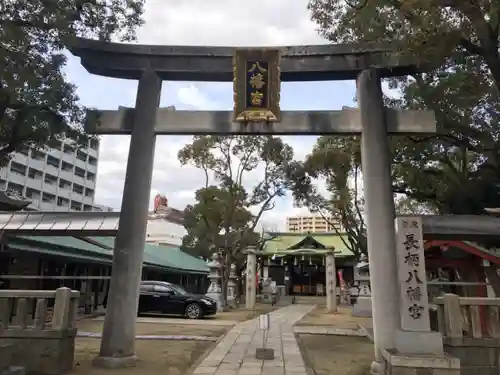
166, 298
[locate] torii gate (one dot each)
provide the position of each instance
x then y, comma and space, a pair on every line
367, 63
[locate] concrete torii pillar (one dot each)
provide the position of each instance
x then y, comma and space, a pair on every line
118, 336
380, 213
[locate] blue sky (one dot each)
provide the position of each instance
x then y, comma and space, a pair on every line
205, 22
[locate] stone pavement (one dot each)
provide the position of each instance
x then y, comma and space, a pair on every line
182, 321
98, 335
235, 353
321, 330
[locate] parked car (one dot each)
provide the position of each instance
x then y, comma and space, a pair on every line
166, 298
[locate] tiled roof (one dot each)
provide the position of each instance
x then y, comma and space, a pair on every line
282, 242
154, 256
171, 256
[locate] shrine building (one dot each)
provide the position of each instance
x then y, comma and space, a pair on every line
296, 262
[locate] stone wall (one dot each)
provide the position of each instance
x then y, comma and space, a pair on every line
396, 363
37, 342
471, 332
477, 356
43, 352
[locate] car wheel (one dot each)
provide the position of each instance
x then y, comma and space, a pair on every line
193, 311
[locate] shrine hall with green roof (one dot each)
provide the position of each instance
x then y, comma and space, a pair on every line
297, 260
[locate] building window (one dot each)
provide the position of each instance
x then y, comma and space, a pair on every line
3, 184
92, 160
50, 179
94, 144
90, 176
33, 193
46, 197
19, 189
89, 192
37, 155
64, 184
35, 174
80, 155
76, 206
68, 149
17, 168
79, 172
62, 202
87, 207
77, 189
53, 161
67, 166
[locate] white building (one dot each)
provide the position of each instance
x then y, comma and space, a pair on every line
56, 179
166, 229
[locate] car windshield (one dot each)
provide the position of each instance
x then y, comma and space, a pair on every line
178, 289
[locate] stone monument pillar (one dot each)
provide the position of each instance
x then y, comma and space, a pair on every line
251, 287
231, 286
215, 288
415, 335
415, 340
363, 305
118, 336
380, 212
331, 282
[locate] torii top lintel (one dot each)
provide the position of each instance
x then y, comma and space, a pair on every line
214, 64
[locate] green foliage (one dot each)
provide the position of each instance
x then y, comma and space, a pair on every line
221, 219
457, 170
337, 162
37, 103
206, 220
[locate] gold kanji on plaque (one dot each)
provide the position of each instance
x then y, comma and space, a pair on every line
256, 85
256, 98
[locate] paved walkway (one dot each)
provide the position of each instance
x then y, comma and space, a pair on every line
98, 335
182, 321
324, 330
235, 353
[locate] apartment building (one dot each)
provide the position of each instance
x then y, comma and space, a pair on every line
313, 224
61, 178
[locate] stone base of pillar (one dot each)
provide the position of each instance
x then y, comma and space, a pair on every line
217, 297
264, 354
419, 342
231, 302
396, 363
377, 368
114, 362
362, 307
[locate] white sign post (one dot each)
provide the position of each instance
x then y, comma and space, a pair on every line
415, 335
264, 352
412, 275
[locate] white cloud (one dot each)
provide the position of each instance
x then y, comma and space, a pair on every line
196, 22
191, 96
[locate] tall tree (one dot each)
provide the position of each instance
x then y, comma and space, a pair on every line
221, 219
37, 102
457, 170
336, 161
